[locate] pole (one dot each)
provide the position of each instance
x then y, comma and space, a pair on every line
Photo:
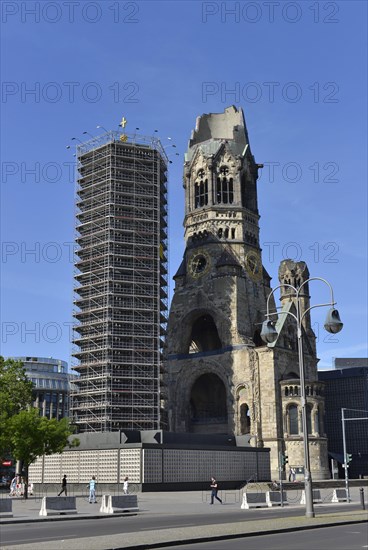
361, 492
280, 479
309, 511
345, 455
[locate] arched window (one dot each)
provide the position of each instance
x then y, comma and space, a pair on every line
208, 405
309, 419
224, 187
200, 190
204, 336
244, 419
293, 420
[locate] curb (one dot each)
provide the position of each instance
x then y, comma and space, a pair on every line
215, 538
64, 517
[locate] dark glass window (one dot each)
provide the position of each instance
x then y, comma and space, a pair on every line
293, 420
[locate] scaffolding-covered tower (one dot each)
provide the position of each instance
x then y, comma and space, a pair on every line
121, 282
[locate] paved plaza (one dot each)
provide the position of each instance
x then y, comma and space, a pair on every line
183, 505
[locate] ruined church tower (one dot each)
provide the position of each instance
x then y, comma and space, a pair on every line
219, 376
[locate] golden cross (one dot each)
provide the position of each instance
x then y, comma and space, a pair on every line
123, 122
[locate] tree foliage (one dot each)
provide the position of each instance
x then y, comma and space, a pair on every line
24, 434
15, 388
33, 435
15, 396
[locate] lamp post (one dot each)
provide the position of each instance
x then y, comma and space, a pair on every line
269, 334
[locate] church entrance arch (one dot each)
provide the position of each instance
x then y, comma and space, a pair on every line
208, 408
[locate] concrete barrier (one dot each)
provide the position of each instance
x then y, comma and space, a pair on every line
316, 496
6, 508
254, 500
58, 505
123, 503
339, 495
273, 498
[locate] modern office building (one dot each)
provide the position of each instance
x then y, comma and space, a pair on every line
350, 362
121, 282
347, 387
52, 384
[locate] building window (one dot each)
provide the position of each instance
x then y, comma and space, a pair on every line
244, 419
309, 419
224, 188
200, 190
293, 420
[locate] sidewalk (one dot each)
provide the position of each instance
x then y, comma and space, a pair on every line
174, 504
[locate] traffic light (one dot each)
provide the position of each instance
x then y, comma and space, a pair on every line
349, 458
284, 459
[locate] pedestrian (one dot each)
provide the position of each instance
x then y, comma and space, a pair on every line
214, 490
92, 490
293, 474
290, 474
18, 486
22, 486
125, 485
63, 487
30, 488
13, 487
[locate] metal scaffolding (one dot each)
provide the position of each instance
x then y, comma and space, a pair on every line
121, 282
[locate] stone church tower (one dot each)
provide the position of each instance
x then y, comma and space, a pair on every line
219, 375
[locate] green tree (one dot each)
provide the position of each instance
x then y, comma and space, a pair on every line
32, 435
15, 396
15, 388
24, 434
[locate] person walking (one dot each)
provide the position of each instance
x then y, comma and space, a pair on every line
92, 491
126, 485
214, 491
13, 487
63, 487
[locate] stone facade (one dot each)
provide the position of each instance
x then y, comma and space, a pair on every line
219, 377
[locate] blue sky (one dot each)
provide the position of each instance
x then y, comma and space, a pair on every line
298, 69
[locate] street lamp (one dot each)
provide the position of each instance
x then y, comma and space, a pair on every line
269, 334
99, 126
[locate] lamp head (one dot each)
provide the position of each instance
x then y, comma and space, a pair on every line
268, 333
333, 322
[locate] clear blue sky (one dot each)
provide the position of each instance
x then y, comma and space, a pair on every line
298, 69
